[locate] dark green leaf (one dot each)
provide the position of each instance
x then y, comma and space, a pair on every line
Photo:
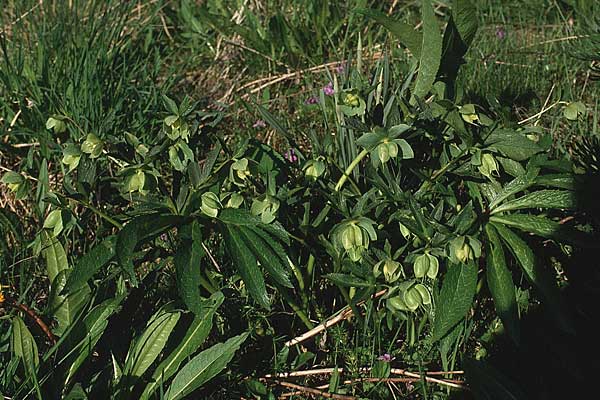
347, 280
562, 199
489, 384
501, 285
455, 298
512, 144
431, 53
245, 263
405, 33
90, 263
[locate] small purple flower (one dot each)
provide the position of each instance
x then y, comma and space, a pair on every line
340, 68
328, 90
259, 124
291, 156
385, 357
500, 33
311, 100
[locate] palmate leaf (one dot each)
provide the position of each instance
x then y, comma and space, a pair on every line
539, 278
136, 231
561, 199
501, 285
193, 339
204, 367
249, 241
148, 346
455, 298
245, 263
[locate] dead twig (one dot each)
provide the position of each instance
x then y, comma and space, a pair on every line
316, 392
342, 315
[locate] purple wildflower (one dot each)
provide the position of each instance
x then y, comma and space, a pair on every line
340, 68
259, 124
311, 100
385, 357
291, 156
500, 33
328, 90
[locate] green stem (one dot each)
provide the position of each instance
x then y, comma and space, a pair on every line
299, 312
350, 168
102, 215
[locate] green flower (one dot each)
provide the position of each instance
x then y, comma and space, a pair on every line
426, 264
211, 204
354, 236
239, 171
92, 146
266, 206
71, 156
314, 168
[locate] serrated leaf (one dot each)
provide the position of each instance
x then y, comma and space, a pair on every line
544, 227
347, 280
245, 263
538, 277
431, 53
148, 346
512, 144
561, 199
193, 339
203, 367
187, 270
501, 285
136, 231
455, 299
406, 33
263, 248
515, 186
89, 264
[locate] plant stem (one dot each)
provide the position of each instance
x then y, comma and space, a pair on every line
102, 215
350, 168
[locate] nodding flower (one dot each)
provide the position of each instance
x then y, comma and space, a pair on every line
328, 90
291, 156
311, 100
259, 124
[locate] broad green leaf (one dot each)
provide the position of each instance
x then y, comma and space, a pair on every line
203, 367
515, 186
406, 33
66, 307
24, 346
240, 217
488, 383
263, 248
90, 330
544, 227
89, 264
245, 263
347, 280
455, 298
187, 273
54, 253
465, 19
431, 52
501, 285
538, 277
512, 144
193, 339
136, 231
540, 199
151, 342
561, 181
